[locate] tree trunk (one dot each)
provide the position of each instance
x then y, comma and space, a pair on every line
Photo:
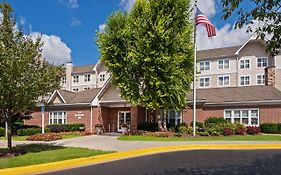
9, 122
158, 118
164, 121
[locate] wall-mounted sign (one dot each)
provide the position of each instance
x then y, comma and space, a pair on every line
79, 114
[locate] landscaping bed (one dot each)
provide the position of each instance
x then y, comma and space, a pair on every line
40, 153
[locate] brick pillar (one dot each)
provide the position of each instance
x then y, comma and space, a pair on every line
270, 76
134, 118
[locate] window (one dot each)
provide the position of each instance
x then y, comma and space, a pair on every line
248, 117
223, 80
87, 78
75, 89
102, 77
223, 64
244, 64
204, 82
260, 79
75, 78
86, 88
204, 65
57, 118
63, 80
262, 62
245, 80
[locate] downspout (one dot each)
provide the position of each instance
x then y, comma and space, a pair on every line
237, 69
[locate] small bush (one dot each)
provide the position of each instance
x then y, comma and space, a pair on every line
198, 124
279, 128
270, 128
31, 131
2, 131
148, 126
214, 120
184, 130
227, 131
178, 134
240, 131
57, 128
204, 133
253, 130
45, 137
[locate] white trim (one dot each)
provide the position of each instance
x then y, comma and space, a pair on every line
204, 62
245, 76
244, 60
257, 79
253, 37
218, 83
204, 82
64, 117
56, 91
262, 67
91, 120
96, 101
247, 102
223, 59
125, 119
240, 115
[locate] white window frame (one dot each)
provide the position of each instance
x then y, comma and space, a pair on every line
204, 82
87, 77
63, 80
223, 64
102, 77
249, 117
52, 117
86, 88
262, 62
125, 119
204, 65
244, 65
75, 79
262, 80
75, 90
223, 80
244, 80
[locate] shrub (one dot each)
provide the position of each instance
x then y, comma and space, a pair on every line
203, 134
279, 128
198, 124
253, 130
184, 130
66, 127
214, 120
31, 131
227, 131
2, 131
44, 137
148, 126
240, 131
270, 128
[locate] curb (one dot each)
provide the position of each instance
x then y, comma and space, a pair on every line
74, 163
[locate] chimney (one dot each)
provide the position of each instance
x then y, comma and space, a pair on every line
270, 76
68, 73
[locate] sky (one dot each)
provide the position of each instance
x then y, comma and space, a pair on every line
68, 27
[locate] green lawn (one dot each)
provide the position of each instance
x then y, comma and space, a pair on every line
23, 138
218, 138
37, 154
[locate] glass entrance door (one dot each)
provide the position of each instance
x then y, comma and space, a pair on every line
124, 117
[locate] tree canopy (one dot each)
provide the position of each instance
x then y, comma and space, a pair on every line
149, 52
24, 74
266, 11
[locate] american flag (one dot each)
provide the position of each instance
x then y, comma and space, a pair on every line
202, 19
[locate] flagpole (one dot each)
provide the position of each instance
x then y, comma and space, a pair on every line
194, 72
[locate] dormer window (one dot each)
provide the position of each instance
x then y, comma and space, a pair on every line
102, 77
63, 80
87, 78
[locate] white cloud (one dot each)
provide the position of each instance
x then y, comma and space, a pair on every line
102, 28
22, 20
127, 4
75, 22
71, 4
54, 50
207, 7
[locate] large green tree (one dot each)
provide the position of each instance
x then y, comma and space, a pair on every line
24, 75
149, 52
268, 12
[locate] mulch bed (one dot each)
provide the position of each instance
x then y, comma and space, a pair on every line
11, 153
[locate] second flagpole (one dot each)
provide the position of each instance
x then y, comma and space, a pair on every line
194, 72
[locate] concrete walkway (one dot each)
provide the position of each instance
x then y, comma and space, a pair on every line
110, 143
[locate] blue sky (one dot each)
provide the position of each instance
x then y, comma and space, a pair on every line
69, 27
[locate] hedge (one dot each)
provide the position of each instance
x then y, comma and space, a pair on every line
148, 126
2, 131
274, 128
31, 131
66, 127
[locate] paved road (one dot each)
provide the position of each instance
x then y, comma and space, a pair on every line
196, 162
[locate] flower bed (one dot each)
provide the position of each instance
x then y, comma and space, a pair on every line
45, 137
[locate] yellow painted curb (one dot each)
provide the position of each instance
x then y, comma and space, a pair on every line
66, 164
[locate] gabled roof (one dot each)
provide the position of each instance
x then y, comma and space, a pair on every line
82, 97
218, 52
83, 69
237, 94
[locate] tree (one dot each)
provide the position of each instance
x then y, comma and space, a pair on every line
149, 52
24, 75
266, 11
